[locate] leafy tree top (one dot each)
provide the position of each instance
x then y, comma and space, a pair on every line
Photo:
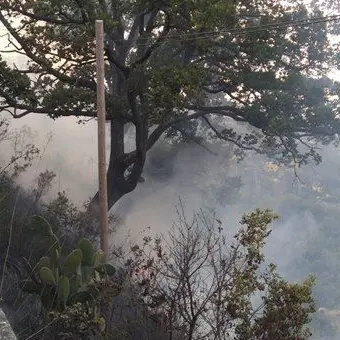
171, 63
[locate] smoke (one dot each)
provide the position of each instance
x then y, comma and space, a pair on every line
202, 180
209, 180
68, 149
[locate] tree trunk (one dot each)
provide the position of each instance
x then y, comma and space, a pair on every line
118, 183
191, 330
113, 196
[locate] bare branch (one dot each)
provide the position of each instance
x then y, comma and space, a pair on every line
193, 139
228, 139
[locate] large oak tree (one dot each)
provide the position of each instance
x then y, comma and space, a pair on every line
173, 66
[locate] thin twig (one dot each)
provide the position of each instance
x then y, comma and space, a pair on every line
40, 330
9, 245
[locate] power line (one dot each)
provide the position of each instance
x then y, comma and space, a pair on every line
284, 24
251, 29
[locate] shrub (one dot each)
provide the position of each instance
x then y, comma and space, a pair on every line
72, 289
201, 284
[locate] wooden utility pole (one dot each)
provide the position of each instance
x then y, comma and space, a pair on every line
104, 242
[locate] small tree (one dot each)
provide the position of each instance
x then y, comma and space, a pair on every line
22, 152
200, 286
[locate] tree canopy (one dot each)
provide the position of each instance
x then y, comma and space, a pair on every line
175, 67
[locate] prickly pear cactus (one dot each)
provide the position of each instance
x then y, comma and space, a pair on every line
47, 276
81, 278
88, 252
73, 262
63, 289
63, 282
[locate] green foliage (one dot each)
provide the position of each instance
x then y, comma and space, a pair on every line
73, 261
73, 288
282, 316
66, 218
41, 227
63, 289
166, 93
167, 59
79, 322
105, 269
88, 252
47, 276
208, 285
65, 281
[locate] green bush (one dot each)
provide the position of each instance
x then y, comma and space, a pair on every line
79, 282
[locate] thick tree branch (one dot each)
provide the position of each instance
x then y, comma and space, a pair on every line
26, 110
141, 124
147, 53
223, 110
227, 111
161, 128
133, 34
46, 19
75, 81
113, 60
